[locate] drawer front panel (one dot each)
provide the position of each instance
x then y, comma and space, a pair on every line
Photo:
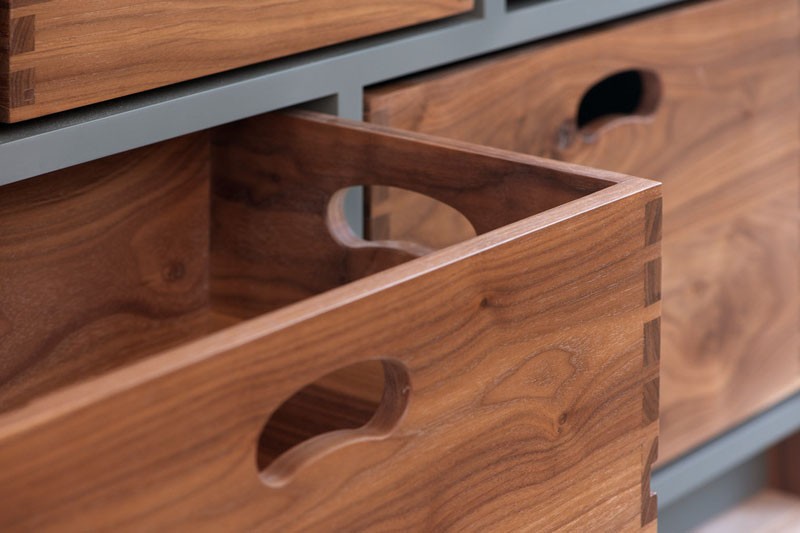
525, 359
62, 54
703, 98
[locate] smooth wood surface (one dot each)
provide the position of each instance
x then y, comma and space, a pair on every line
522, 386
769, 511
723, 139
102, 264
276, 237
61, 54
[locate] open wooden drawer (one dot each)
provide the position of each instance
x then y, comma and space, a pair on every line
161, 309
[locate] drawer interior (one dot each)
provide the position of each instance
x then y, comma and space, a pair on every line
111, 261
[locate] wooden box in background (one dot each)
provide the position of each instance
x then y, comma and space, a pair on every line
61, 54
702, 97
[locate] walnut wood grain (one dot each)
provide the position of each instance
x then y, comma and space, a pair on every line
5, 46
524, 348
78, 53
724, 141
102, 263
262, 220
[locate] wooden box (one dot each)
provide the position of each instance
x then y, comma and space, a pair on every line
192, 338
61, 54
702, 97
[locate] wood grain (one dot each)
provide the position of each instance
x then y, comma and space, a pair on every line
723, 139
524, 348
5, 47
94, 50
271, 242
101, 264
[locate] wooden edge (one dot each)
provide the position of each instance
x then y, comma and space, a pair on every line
11, 4
651, 358
70, 399
566, 170
5, 64
649, 498
17, 36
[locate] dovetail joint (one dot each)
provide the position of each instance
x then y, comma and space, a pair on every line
652, 282
650, 402
652, 342
649, 498
22, 88
22, 35
652, 216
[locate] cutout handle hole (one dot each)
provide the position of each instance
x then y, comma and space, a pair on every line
357, 403
626, 94
399, 218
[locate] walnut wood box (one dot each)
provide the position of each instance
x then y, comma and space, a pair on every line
702, 97
61, 54
159, 307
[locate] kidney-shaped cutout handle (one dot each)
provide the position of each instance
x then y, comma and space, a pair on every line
358, 403
619, 98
